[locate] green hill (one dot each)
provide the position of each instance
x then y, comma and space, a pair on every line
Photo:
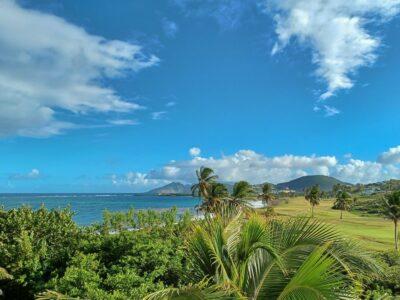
325, 183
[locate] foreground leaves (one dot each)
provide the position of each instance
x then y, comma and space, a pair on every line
254, 258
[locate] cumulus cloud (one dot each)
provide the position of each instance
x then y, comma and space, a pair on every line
362, 171
247, 165
336, 31
257, 168
33, 174
392, 156
194, 151
49, 66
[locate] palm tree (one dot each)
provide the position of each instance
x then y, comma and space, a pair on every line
267, 195
392, 212
205, 176
216, 193
255, 258
241, 191
342, 202
313, 195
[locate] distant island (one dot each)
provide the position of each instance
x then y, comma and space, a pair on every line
171, 189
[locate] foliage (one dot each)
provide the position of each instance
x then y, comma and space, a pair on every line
267, 195
313, 195
35, 246
255, 258
392, 212
205, 177
371, 205
126, 256
342, 202
242, 190
388, 282
216, 194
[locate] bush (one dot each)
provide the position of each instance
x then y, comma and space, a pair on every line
126, 256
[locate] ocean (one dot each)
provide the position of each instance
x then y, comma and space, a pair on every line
88, 208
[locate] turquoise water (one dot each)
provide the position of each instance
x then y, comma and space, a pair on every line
88, 208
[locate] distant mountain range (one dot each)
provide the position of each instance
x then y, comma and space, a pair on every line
325, 183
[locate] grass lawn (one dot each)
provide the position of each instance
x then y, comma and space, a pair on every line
376, 233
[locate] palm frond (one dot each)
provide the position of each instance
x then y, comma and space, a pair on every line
319, 277
200, 291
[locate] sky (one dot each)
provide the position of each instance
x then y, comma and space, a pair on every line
104, 97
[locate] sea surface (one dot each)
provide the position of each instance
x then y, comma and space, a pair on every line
88, 208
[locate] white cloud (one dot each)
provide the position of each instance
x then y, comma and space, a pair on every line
194, 151
336, 31
256, 168
33, 174
362, 171
158, 115
392, 156
330, 111
48, 65
136, 181
247, 165
123, 122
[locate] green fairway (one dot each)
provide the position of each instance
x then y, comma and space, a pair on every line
375, 232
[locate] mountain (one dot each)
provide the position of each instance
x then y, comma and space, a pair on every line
171, 189
325, 183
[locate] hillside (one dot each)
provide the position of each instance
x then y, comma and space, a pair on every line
171, 188
325, 183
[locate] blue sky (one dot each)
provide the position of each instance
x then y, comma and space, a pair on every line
98, 97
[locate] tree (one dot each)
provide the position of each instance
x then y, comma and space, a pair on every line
313, 195
33, 245
251, 258
205, 177
215, 193
342, 202
241, 191
267, 195
392, 212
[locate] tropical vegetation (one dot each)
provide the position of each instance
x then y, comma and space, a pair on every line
255, 258
342, 202
233, 253
313, 195
392, 212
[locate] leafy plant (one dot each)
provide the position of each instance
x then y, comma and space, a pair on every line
256, 258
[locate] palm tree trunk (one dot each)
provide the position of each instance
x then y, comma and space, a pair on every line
396, 238
312, 211
341, 214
